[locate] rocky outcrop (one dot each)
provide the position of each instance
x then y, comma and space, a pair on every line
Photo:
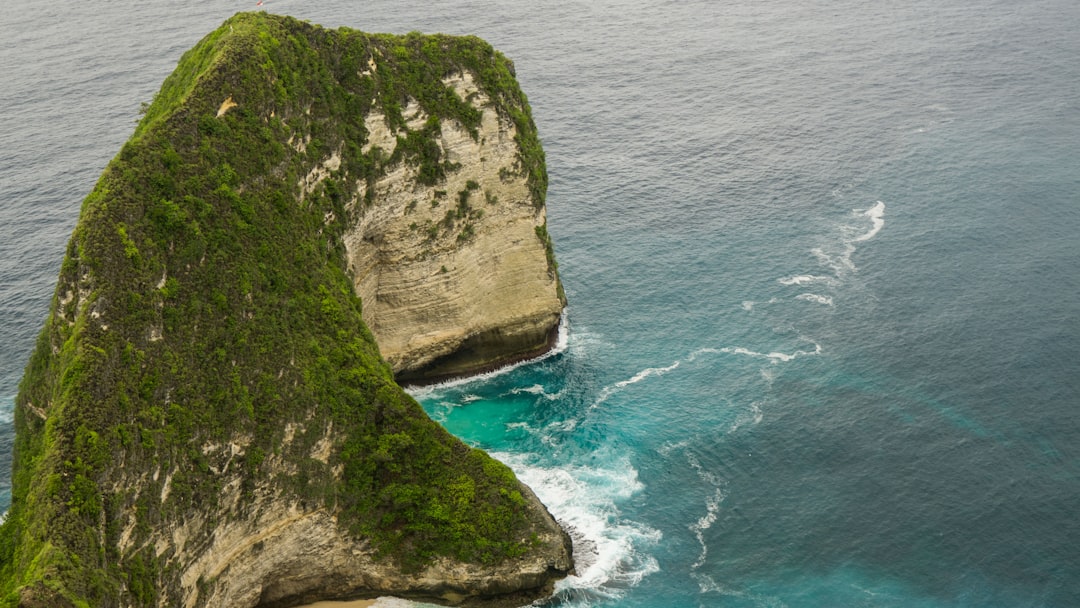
455, 276
268, 549
206, 420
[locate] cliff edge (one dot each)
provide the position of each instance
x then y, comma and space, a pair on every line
207, 420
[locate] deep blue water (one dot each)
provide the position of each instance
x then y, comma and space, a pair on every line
823, 341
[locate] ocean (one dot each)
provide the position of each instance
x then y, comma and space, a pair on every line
823, 340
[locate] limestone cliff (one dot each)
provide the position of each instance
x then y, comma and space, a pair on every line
207, 420
455, 276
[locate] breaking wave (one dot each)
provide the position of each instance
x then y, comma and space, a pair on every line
611, 553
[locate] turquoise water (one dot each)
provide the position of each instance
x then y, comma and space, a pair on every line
822, 345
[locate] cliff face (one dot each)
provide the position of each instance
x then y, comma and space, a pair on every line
206, 420
455, 276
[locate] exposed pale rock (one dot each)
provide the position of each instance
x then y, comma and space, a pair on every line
282, 552
452, 296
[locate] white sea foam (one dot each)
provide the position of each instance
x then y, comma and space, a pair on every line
562, 426
550, 434
535, 389
443, 409
7, 410
670, 446
706, 475
840, 262
538, 390
813, 297
608, 391
773, 356
753, 416
749, 305
806, 279
875, 214
707, 584
703, 351
712, 507
611, 553
524, 426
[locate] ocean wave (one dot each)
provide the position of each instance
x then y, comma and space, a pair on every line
813, 297
611, 554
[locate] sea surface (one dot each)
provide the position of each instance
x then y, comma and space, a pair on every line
823, 266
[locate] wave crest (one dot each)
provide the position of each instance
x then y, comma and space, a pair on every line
611, 553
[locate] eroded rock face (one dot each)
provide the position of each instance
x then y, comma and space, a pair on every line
275, 551
453, 276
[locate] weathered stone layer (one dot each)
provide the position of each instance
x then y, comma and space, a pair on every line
274, 552
453, 276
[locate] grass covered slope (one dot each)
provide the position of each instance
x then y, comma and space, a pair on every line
205, 341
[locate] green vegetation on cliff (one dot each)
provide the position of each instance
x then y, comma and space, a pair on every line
204, 301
